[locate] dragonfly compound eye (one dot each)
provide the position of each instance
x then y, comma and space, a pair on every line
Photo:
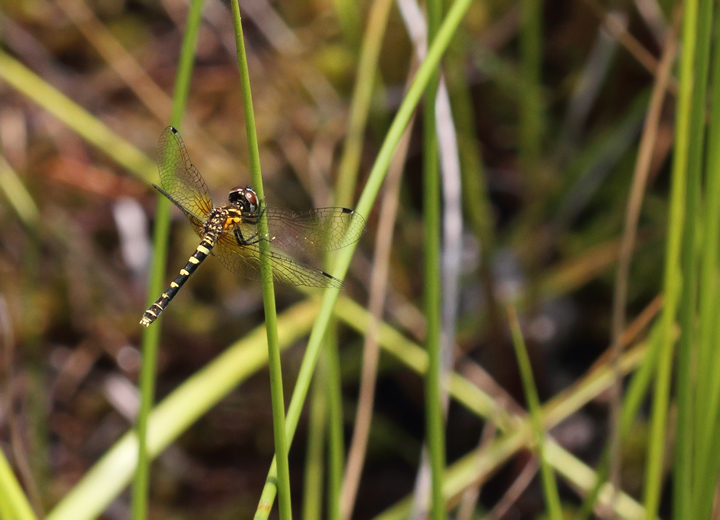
245, 198
252, 199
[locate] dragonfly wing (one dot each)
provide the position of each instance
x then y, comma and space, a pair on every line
180, 180
194, 219
244, 261
322, 229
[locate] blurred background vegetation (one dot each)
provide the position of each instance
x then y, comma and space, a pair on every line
549, 102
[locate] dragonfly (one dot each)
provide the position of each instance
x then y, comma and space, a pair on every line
230, 233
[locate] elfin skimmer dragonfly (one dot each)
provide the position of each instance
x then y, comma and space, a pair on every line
230, 231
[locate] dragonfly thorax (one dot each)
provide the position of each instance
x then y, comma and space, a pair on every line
216, 222
244, 199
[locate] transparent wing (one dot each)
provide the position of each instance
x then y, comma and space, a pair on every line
180, 180
244, 261
322, 229
195, 221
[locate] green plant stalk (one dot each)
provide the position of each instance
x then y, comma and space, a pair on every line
434, 417
18, 196
360, 105
274, 364
177, 412
706, 403
149, 349
684, 505
348, 170
480, 463
104, 482
709, 300
78, 119
12, 499
313, 485
367, 199
552, 498
531, 119
336, 425
471, 397
151, 335
633, 399
673, 271
693, 200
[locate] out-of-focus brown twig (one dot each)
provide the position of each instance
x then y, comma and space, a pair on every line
513, 493
632, 216
633, 46
371, 350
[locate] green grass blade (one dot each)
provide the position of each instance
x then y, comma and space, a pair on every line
177, 412
531, 118
367, 199
313, 485
77, 118
706, 461
18, 196
151, 336
14, 503
434, 416
268, 288
336, 424
673, 272
348, 171
360, 105
684, 503
552, 498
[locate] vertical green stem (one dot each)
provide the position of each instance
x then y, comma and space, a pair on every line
366, 77
433, 301
690, 350
276, 386
705, 440
530, 103
151, 335
375, 180
312, 490
673, 270
336, 444
548, 479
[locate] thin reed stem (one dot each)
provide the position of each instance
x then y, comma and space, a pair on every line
276, 386
151, 335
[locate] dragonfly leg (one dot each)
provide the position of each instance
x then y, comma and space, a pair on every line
241, 240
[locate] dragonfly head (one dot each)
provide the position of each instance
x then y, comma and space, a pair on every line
245, 199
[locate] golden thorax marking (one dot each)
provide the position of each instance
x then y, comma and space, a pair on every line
193, 260
184, 272
231, 221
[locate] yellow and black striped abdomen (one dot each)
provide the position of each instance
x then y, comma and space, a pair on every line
200, 254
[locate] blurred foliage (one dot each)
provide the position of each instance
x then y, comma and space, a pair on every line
74, 279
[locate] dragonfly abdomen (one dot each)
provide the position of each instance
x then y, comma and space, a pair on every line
200, 254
